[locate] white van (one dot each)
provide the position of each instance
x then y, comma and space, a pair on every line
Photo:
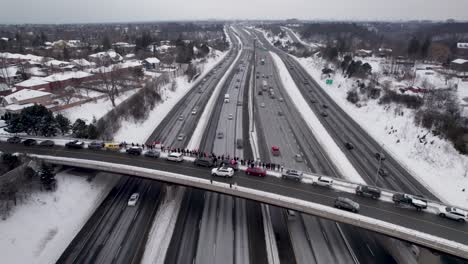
174, 156
323, 181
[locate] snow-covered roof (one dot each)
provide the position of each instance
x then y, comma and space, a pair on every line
8, 72
152, 60
24, 94
460, 61
66, 76
110, 53
34, 81
123, 45
17, 56
83, 63
364, 51
56, 63
35, 71
124, 65
130, 55
461, 45
17, 107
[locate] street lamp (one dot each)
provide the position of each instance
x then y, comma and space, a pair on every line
378, 168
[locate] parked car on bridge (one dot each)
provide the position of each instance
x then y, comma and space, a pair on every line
112, 146
298, 158
410, 200
14, 140
76, 144
134, 151
96, 145
346, 204
292, 174
323, 181
133, 199
153, 153
368, 191
203, 162
256, 171
222, 172
30, 142
47, 143
453, 213
230, 163
174, 156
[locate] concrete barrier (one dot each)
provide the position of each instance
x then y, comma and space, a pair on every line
319, 210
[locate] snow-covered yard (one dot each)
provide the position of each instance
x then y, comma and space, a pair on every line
40, 228
437, 165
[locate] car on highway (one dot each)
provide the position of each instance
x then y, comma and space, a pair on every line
349, 145
262, 105
237, 86
313, 100
203, 162
281, 99
239, 103
324, 114
14, 140
194, 111
256, 171
181, 137
453, 213
379, 156
133, 199
410, 200
153, 153
368, 191
96, 145
238, 80
175, 156
306, 82
75, 144
222, 172
298, 158
220, 135
325, 106
260, 92
383, 172
280, 113
275, 150
323, 181
134, 151
47, 143
230, 117
30, 142
181, 118
292, 174
346, 204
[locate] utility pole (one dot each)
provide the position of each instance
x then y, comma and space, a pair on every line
378, 168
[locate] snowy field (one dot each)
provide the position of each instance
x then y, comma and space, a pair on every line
140, 131
40, 228
95, 109
438, 165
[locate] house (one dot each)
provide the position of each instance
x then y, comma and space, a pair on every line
151, 63
363, 53
56, 63
34, 83
460, 66
82, 64
61, 80
106, 57
383, 52
27, 96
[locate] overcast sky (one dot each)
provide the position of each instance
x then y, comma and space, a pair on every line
70, 11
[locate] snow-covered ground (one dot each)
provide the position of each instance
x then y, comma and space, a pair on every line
95, 109
438, 165
132, 131
40, 228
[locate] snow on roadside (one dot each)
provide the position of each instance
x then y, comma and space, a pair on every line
342, 163
40, 229
132, 131
163, 226
437, 165
94, 109
311, 45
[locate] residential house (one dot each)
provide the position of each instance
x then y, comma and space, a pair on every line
384, 53
363, 53
151, 63
10, 75
460, 66
106, 57
24, 98
34, 83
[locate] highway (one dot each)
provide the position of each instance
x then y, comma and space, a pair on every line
127, 238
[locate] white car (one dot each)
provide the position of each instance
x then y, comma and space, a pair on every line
230, 116
323, 181
223, 172
454, 213
262, 104
133, 199
174, 156
194, 111
181, 118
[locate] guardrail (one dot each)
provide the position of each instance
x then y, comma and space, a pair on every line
319, 210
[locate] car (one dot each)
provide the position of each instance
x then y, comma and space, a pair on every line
14, 140
298, 158
133, 199
220, 135
349, 145
291, 67
292, 174
275, 150
222, 172
181, 137
203, 162
75, 144
153, 153
239, 143
323, 181
194, 111
280, 113
281, 99
239, 103
181, 118
260, 93
230, 117
410, 200
256, 171
324, 114
257, 77
175, 156
47, 143
134, 151
383, 172
325, 106
237, 86
346, 204
453, 213
96, 145
230, 163
113, 146
368, 191
312, 100
238, 80
200, 91
30, 142
379, 156
262, 105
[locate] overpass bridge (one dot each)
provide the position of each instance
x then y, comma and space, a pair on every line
422, 228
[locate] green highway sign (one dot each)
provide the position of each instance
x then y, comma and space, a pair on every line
329, 81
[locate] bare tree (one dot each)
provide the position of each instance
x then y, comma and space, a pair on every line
113, 80
68, 93
4, 73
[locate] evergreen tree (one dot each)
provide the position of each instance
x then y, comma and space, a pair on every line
106, 43
413, 47
63, 123
92, 132
80, 129
425, 47
47, 177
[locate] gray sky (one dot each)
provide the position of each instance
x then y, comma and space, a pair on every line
69, 11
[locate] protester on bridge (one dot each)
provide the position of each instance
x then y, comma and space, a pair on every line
282, 167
